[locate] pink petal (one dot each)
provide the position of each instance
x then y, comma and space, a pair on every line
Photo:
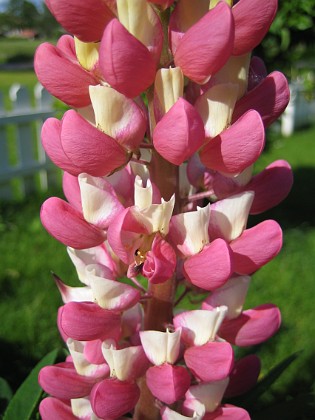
85, 321
228, 412
51, 141
257, 72
66, 224
212, 267
211, 362
92, 151
93, 352
256, 246
53, 408
66, 44
168, 383
244, 376
125, 235
207, 45
63, 78
106, 398
278, 174
62, 381
160, 262
180, 133
269, 98
237, 147
252, 21
71, 190
253, 326
117, 61
85, 20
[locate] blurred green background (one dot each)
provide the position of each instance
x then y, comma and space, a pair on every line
29, 299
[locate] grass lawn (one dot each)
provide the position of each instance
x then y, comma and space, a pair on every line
29, 298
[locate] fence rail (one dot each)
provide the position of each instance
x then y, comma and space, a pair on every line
24, 166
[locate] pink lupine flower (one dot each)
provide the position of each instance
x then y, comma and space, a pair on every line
278, 174
253, 326
51, 408
106, 398
269, 98
76, 146
132, 234
63, 382
243, 376
208, 393
189, 231
60, 72
90, 17
117, 51
179, 133
237, 147
208, 44
68, 226
252, 21
85, 321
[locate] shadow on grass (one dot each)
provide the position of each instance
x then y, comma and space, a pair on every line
298, 208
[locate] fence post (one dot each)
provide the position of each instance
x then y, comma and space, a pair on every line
22, 104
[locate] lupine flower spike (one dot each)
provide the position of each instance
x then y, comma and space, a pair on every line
169, 110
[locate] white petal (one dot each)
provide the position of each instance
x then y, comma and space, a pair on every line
161, 347
200, 326
216, 107
229, 216
109, 294
209, 394
143, 195
189, 231
232, 295
81, 407
122, 362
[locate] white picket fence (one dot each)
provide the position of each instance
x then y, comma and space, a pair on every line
24, 166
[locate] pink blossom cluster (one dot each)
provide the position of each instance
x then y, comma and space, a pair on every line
169, 110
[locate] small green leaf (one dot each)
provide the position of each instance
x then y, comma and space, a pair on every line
26, 398
5, 390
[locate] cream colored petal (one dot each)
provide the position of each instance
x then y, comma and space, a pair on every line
216, 107
169, 87
161, 347
232, 295
121, 361
138, 18
87, 53
209, 394
229, 216
143, 195
190, 230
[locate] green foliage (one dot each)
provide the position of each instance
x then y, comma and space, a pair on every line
291, 37
27, 397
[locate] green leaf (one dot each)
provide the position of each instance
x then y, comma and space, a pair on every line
269, 379
5, 390
26, 398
